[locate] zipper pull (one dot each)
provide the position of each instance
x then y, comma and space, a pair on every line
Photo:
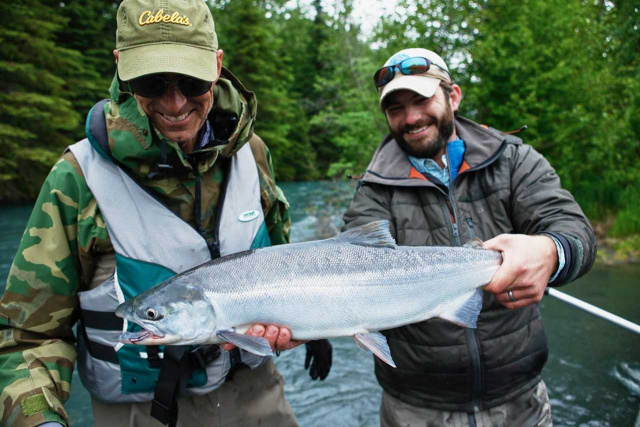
455, 230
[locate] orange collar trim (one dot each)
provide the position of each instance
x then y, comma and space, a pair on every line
413, 173
463, 167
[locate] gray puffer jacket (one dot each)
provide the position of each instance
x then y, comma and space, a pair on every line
504, 186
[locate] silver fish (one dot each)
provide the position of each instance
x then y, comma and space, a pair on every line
354, 284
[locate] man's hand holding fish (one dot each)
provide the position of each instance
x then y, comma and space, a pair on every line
522, 277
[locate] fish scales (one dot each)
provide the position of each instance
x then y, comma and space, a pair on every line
354, 284
360, 287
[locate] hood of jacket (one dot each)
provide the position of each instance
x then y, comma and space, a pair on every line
391, 166
137, 144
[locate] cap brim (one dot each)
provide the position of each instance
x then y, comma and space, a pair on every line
167, 58
421, 84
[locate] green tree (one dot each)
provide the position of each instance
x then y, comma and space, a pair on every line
90, 29
255, 53
349, 120
621, 23
36, 116
545, 63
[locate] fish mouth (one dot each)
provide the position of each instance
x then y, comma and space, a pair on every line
142, 337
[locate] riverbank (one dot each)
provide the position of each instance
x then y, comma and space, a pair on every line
615, 250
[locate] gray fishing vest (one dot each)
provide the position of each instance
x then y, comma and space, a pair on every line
148, 252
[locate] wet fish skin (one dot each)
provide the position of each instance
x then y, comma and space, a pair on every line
354, 284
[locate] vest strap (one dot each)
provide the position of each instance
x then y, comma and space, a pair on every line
164, 406
178, 365
103, 320
97, 350
153, 356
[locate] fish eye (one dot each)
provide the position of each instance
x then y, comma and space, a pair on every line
152, 314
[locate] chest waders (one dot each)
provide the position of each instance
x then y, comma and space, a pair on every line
152, 244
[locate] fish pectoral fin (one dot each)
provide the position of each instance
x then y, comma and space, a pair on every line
255, 345
464, 311
377, 344
374, 234
362, 346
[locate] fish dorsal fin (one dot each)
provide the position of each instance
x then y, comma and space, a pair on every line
373, 234
474, 243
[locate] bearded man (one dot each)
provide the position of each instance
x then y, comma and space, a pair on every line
441, 179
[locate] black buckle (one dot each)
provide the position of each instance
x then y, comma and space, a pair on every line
161, 412
203, 355
153, 356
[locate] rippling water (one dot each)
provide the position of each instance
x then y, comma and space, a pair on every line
593, 373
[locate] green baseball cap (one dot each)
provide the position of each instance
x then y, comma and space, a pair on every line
166, 36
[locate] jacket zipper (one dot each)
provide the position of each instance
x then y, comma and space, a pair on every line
470, 334
213, 244
452, 206
472, 233
214, 247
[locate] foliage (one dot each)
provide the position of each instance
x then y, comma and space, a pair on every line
259, 59
570, 71
90, 30
350, 122
35, 112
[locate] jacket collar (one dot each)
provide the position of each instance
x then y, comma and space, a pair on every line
390, 165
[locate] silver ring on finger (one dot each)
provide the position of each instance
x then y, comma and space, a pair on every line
511, 297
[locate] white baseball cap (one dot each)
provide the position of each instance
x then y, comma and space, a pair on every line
424, 84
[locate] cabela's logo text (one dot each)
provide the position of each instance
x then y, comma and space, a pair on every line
148, 18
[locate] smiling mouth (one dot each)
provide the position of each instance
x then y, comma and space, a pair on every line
418, 130
175, 118
415, 131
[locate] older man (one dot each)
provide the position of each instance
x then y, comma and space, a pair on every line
441, 179
171, 175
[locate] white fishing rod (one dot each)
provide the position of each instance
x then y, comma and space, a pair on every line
593, 310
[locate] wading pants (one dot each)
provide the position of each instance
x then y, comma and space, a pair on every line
253, 397
531, 409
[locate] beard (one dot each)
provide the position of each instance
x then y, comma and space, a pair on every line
429, 148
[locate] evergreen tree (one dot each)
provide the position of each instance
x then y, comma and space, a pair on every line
537, 63
350, 118
254, 52
36, 116
620, 21
90, 29
312, 85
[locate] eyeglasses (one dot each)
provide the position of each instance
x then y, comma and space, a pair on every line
154, 86
408, 67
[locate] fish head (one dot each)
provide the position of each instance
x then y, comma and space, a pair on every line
171, 313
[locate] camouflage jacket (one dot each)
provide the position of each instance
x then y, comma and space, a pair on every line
66, 235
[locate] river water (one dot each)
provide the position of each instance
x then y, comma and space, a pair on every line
593, 373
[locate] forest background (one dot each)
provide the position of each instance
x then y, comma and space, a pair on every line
567, 69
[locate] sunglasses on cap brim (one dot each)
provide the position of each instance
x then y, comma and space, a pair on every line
154, 85
408, 67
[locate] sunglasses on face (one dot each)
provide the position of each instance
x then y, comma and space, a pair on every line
408, 67
154, 86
